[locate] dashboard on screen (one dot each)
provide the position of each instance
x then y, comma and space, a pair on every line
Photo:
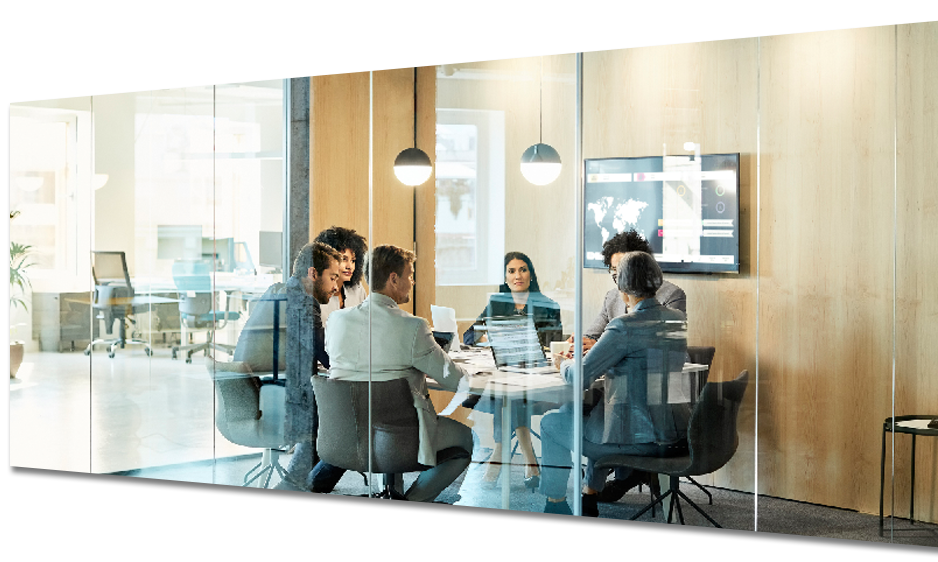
687, 207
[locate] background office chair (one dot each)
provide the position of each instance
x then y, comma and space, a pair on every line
251, 414
113, 299
197, 309
711, 442
343, 435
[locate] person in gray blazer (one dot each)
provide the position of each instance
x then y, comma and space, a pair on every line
669, 295
402, 348
634, 416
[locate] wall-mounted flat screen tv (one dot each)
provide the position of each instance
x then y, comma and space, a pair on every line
687, 207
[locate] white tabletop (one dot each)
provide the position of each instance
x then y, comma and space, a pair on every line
486, 380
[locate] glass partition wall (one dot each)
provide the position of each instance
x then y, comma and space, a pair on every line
781, 184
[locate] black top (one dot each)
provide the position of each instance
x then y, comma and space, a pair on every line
546, 314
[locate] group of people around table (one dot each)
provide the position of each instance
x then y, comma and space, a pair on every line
331, 315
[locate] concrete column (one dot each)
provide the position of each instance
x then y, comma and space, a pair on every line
298, 187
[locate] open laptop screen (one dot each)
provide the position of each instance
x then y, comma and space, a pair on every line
514, 342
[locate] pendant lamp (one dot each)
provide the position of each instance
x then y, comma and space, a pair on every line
540, 163
412, 166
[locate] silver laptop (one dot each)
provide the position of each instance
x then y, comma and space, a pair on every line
516, 347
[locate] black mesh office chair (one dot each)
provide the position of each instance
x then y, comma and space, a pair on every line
113, 299
711, 441
343, 435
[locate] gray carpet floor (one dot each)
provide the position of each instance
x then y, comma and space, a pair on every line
208, 522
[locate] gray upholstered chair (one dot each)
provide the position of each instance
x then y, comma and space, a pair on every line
343, 438
711, 441
251, 414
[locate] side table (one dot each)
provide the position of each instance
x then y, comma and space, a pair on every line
913, 425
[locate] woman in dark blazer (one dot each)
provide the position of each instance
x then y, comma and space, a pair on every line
519, 295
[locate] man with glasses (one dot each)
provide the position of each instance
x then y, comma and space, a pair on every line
669, 294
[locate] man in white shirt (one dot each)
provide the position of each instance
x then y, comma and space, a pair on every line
402, 347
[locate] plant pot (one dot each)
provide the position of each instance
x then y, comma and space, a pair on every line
17, 348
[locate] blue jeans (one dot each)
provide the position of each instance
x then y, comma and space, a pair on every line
556, 452
305, 468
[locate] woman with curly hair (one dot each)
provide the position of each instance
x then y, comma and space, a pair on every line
352, 246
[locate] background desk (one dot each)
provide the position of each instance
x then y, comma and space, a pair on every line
63, 321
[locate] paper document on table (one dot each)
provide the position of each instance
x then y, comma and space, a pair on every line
462, 392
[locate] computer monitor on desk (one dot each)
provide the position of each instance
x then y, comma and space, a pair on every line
271, 250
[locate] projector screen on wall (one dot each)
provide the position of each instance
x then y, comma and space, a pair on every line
687, 207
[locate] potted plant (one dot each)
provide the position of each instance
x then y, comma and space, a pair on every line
19, 255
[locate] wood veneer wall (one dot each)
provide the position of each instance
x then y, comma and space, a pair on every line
339, 163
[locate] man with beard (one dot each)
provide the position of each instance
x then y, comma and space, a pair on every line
315, 279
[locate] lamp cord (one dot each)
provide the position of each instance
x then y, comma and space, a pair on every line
415, 107
540, 104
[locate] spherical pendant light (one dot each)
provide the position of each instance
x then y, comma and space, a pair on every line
540, 164
412, 166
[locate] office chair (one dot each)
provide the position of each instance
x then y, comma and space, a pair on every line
711, 443
343, 436
251, 414
113, 299
197, 308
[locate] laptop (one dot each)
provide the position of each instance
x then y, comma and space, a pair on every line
516, 347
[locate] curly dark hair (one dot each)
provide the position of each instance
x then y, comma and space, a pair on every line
343, 239
624, 242
534, 288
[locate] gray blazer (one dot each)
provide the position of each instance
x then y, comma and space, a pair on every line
636, 352
669, 294
402, 348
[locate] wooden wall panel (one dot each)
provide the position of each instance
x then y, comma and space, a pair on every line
339, 162
917, 299
425, 202
825, 347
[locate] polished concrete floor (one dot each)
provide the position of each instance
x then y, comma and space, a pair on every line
152, 417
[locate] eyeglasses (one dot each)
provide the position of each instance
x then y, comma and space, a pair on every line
615, 275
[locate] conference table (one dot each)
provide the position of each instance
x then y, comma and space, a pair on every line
487, 381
